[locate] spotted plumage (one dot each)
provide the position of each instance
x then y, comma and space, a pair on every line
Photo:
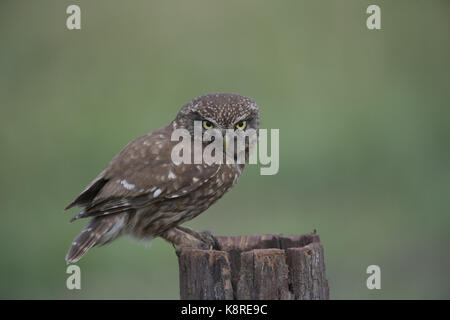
144, 194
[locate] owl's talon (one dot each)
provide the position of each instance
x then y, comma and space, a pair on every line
200, 240
177, 250
209, 240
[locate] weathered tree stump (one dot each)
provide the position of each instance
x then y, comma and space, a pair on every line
260, 267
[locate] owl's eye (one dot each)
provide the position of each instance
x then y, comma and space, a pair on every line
241, 125
207, 124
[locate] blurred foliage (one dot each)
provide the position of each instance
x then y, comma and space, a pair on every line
363, 118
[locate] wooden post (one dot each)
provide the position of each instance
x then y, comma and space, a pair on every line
257, 267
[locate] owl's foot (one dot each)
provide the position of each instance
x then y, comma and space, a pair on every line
183, 237
208, 241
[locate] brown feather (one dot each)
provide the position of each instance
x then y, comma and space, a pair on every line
88, 238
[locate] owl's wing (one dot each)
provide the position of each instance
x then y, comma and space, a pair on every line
142, 173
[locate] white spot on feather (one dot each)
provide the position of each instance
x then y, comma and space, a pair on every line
127, 185
171, 175
157, 193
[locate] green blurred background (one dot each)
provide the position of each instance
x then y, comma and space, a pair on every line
363, 118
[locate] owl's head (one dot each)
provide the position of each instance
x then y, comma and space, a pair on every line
219, 111
223, 113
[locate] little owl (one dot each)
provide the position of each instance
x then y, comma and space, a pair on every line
144, 194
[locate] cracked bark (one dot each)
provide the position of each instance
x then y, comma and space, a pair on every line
260, 267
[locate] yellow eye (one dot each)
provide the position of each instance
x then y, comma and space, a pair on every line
241, 125
207, 124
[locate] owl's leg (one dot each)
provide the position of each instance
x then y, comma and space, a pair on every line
182, 237
205, 236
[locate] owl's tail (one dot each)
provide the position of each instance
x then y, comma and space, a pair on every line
89, 237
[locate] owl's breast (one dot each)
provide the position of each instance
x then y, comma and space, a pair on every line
226, 177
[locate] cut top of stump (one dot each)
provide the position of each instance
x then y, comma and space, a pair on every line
264, 267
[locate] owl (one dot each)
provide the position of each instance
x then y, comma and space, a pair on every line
144, 194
